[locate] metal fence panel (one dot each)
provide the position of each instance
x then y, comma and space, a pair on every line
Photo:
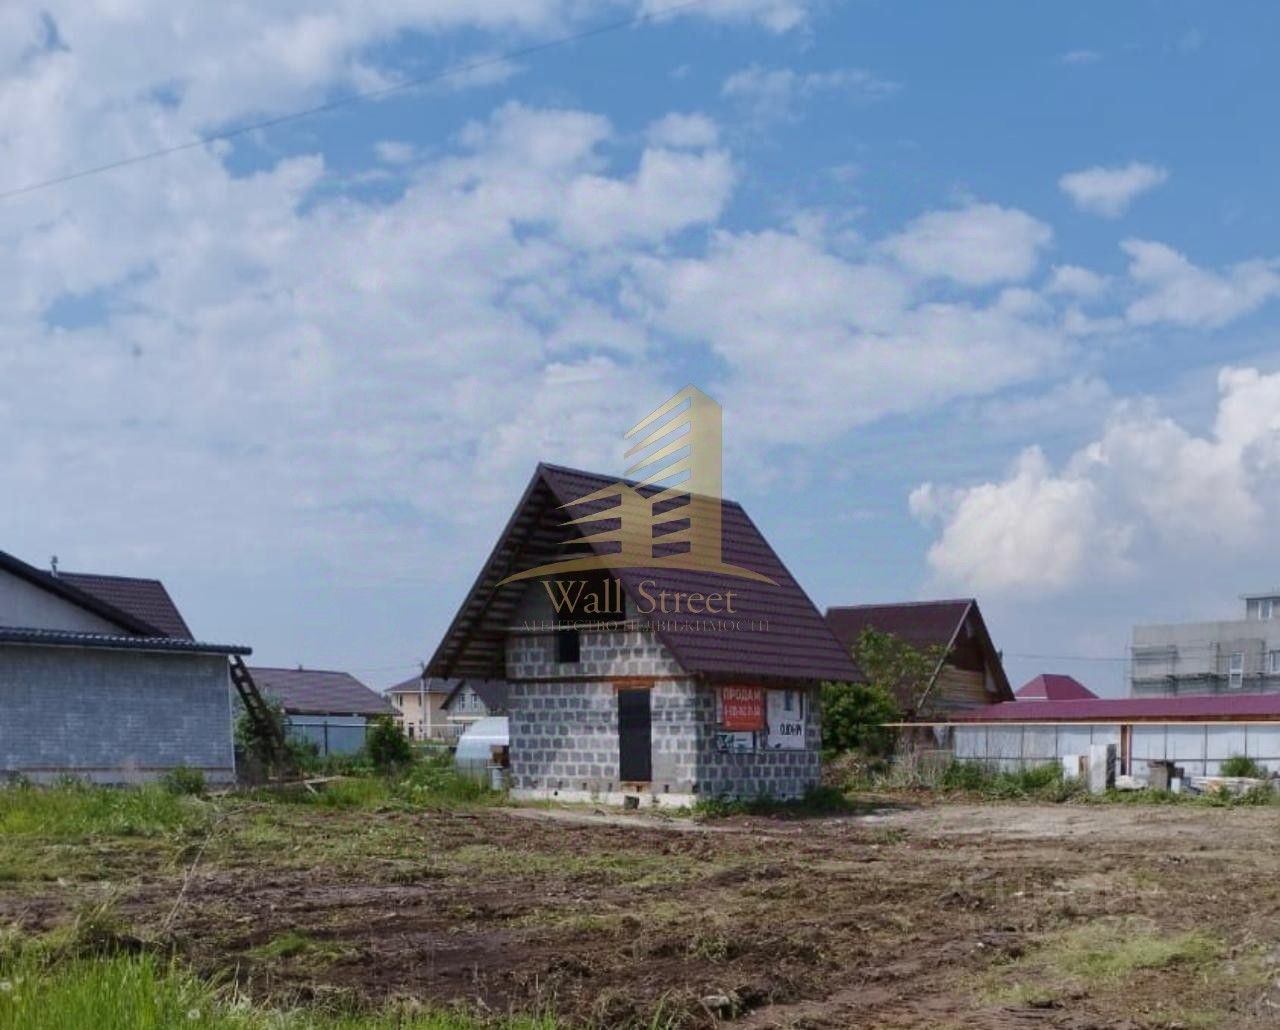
1223, 742
971, 742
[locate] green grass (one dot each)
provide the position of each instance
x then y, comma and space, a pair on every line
147, 992
1041, 782
1114, 951
76, 811
817, 802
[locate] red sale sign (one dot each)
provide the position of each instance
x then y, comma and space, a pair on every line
742, 708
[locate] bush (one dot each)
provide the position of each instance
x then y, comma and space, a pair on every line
853, 717
183, 780
1239, 765
1041, 782
387, 746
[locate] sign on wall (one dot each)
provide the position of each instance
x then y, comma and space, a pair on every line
786, 720
742, 709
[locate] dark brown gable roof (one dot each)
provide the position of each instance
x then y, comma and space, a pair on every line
783, 636
416, 685
921, 624
59, 587
146, 599
320, 692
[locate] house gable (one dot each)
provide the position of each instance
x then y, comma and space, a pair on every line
776, 632
33, 599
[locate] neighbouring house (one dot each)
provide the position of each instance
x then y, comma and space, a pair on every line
473, 699
644, 702
1197, 733
331, 710
101, 679
1238, 655
420, 704
970, 672
1051, 686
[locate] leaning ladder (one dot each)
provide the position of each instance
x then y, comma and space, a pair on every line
254, 704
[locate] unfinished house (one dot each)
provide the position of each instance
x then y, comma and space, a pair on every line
970, 673
650, 684
1236, 656
101, 680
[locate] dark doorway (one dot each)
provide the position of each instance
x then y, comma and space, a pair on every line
635, 752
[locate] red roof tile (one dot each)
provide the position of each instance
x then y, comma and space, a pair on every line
1050, 686
1199, 708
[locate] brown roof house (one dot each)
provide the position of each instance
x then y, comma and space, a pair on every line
654, 646
100, 679
970, 673
329, 709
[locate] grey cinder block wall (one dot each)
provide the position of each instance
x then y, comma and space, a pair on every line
564, 726
113, 716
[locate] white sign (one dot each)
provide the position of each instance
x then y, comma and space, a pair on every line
736, 742
786, 720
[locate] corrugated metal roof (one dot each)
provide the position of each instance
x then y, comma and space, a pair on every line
145, 599
780, 634
107, 641
1051, 686
1199, 708
320, 692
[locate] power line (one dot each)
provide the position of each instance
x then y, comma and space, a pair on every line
351, 98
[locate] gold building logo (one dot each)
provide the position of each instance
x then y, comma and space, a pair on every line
660, 524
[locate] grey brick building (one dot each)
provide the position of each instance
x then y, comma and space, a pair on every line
621, 697
100, 679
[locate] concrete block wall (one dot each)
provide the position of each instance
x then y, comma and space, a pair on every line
602, 653
779, 774
113, 716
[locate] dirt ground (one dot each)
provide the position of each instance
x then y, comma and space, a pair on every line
918, 915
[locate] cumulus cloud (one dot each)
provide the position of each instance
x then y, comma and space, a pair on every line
978, 245
1176, 292
683, 130
774, 94
1109, 191
1074, 281
1147, 486
816, 343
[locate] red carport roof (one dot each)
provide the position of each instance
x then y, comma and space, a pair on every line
1200, 708
1051, 686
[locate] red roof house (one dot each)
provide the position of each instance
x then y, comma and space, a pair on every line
1050, 686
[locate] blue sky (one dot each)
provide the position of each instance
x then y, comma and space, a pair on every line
988, 294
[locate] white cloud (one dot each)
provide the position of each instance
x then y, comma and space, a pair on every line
1176, 292
1146, 493
976, 245
775, 15
818, 343
773, 94
1109, 191
1074, 281
1079, 57
683, 130
1034, 530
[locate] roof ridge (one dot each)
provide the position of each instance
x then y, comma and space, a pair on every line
899, 604
552, 467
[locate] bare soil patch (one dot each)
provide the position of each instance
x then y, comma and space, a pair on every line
992, 916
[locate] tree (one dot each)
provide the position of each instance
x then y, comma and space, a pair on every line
387, 746
853, 718
906, 673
